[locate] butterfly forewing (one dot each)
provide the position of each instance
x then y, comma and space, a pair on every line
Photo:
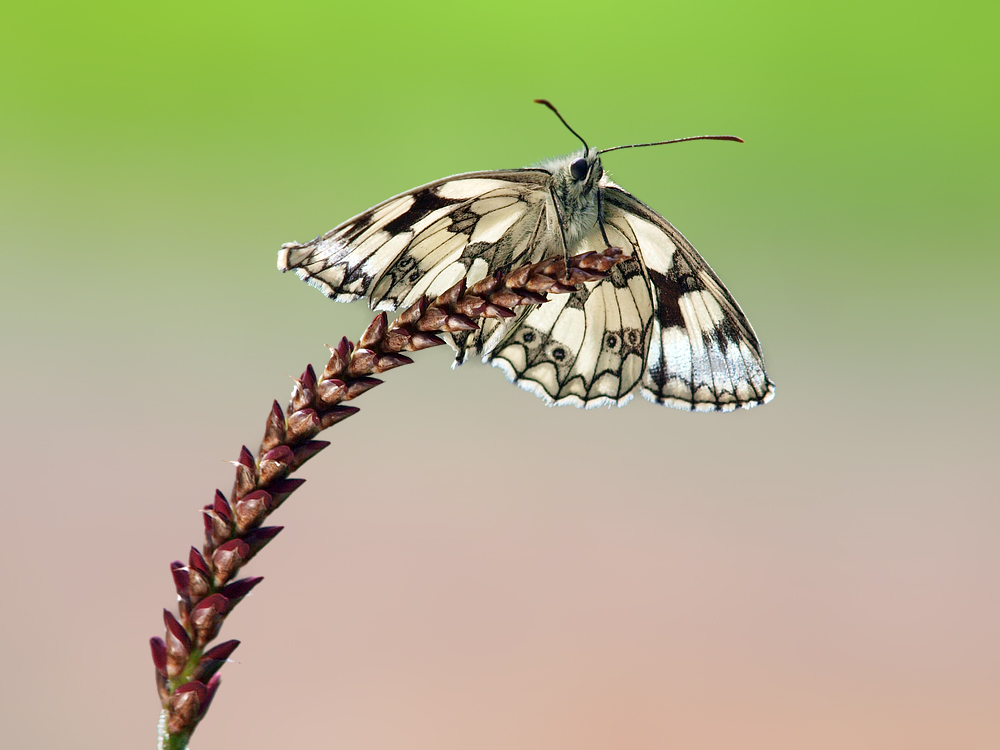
425, 240
703, 353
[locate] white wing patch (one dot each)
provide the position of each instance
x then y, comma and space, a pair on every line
470, 187
657, 249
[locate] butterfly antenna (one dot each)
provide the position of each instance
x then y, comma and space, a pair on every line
549, 104
675, 140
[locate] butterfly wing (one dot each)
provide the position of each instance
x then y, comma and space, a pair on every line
425, 240
586, 348
703, 354
662, 322
662, 317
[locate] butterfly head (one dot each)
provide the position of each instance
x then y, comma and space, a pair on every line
576, 179
579, 173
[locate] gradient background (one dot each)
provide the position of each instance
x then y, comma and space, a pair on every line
465, 567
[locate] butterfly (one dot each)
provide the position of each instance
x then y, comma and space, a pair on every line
662, 323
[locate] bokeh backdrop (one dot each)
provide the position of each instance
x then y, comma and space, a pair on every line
466, 567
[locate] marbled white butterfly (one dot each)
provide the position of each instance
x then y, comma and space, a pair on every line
662, 322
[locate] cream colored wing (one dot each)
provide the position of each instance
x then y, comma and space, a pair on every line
425, 240
703, 354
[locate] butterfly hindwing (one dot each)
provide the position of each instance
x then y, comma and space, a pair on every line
703, 354
425, 240
587, 348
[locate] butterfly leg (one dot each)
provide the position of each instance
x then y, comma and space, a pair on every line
600, 217
562, 235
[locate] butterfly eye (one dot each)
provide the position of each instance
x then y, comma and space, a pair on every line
578, 169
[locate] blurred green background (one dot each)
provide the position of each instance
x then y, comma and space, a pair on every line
818, 573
